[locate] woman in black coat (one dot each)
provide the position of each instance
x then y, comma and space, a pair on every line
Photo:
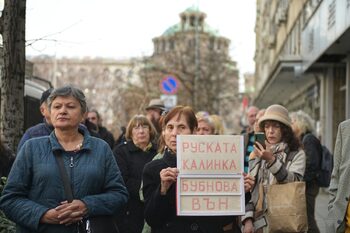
302, 125
159, 182
131, 157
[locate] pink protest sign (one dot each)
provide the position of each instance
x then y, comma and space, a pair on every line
210, 181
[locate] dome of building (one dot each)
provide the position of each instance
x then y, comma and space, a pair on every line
191, 12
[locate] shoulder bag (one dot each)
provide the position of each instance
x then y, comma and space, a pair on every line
286, 206
96, 224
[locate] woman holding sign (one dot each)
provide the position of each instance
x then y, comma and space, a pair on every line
159, 182
280, 160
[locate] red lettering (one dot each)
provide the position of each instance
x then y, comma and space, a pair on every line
201, 149
185, 146
209, 164
223, 203
184, 186
226, 186
234, 187
217, 148
233, 165
201, 186
193, 165
217, 164
195, 204
201, 165
210, 204
218, 186
210, 186
233, 149
193, 185
193, 147
225, 165
209, 149
184, 164
226, 146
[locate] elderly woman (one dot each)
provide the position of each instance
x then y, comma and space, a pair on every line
131, 158
159, 182
303, 127
34, 197
282, 161
205, 125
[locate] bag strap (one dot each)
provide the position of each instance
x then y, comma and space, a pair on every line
64, 176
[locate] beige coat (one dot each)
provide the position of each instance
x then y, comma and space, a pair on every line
339, 187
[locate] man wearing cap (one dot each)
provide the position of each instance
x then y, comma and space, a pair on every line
41, 129
153, 112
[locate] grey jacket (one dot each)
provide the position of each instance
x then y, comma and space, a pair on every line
339, 187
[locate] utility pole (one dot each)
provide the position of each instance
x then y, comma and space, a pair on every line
197, 63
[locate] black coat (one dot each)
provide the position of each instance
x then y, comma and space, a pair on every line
131, 161
160, 211
106, 136
313, 152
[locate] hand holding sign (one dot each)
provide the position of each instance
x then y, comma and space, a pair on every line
168, 176
249, 182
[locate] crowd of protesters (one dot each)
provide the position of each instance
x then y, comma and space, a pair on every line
131, 181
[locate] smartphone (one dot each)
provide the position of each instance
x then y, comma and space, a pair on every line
260, 137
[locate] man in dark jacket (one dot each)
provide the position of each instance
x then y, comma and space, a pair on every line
94, 117
41, 129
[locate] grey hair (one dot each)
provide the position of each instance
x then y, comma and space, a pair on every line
66, 91
304, 121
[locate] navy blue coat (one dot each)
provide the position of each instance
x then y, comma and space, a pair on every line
34, 184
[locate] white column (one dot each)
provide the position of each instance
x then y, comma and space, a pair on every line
328, 108
347, 91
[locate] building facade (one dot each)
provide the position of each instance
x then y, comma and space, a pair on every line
302, 59
111, 86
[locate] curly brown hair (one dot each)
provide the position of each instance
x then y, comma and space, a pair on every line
288, 135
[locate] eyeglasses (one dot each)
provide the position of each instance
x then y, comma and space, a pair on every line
92, 118
138, 127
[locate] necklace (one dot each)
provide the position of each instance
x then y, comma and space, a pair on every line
78, 147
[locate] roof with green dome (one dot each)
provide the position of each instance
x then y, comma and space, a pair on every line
177, 27
192, 9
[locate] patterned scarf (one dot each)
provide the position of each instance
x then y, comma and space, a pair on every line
280, 151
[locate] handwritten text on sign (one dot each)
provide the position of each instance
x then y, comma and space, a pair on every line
210, 181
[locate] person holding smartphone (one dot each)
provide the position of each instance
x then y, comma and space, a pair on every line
273, 163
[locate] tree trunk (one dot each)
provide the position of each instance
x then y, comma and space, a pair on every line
12, 29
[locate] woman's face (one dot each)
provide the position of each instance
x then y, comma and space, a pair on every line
141, 134
204, 128
66, 112
175, 126
273, 132
296, 128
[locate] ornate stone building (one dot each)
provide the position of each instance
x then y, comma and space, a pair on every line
198, 57
107, 84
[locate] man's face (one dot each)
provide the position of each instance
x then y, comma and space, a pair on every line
153, 115
251, 116
44, 109
92, 117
